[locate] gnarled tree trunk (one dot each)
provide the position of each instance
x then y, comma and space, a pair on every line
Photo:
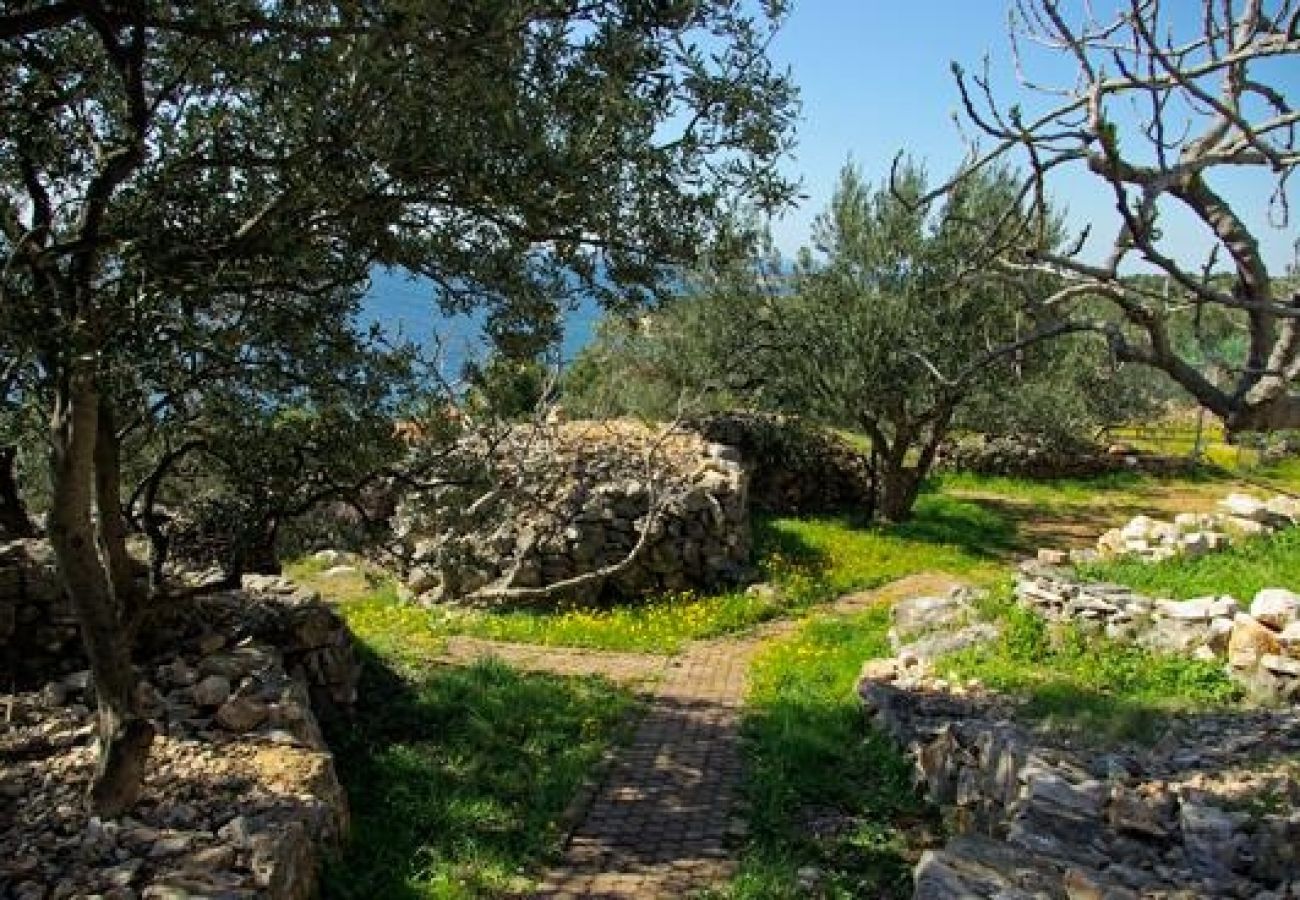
108, 504
124, 735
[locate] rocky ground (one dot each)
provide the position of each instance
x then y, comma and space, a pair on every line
241, 789
1208, 811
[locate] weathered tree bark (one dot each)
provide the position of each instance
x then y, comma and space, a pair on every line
108, 504
899, 486
14, 521
124, 736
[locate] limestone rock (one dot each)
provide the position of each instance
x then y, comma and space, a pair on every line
212, 691
241, 714
1250, 641
1275, 607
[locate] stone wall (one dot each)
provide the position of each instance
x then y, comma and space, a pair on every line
1259, 641
1188, 534
1029, 456
542, 505
1208, 811
241, 796
38, 630
794, 467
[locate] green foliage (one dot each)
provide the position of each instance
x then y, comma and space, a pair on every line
1101, 689
660, 626
507, 389
812, 758
457, 778
808, 560
1242, 570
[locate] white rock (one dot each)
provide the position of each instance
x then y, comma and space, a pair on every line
1225, 606
1248, 527
339, 571
1244, 506
1052, 557
1164, 533
1282, 665
1276, 607
328, 557
1138, 528
1290, 636
1197, 609
1194, 544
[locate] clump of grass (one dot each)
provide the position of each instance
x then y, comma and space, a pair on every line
813, 762
1240, 570
1099, 688
457, 778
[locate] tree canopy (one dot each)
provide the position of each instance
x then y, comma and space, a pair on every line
192, 195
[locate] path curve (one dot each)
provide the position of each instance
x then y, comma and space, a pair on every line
666, 820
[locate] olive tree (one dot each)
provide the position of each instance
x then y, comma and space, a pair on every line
170, 168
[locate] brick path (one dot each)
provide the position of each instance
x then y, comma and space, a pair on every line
665, 822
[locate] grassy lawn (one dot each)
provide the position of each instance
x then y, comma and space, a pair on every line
824, 789
1241, 570
1100, 689
457, 778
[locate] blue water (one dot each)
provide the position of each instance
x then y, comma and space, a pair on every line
406, 307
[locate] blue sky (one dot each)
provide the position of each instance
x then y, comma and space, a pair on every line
875, 79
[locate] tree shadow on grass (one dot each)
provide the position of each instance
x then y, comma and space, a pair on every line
975, 528
458, 777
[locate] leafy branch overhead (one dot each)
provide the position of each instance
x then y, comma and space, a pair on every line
193, 197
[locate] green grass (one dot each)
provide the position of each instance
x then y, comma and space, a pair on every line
663, 625
1241, 570
457, 779
1049, 492
811, 758
1101, 689
945, 533
401, 634
809, 560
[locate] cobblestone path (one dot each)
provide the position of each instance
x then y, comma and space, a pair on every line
665, 822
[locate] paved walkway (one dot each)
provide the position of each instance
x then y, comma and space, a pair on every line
665, 822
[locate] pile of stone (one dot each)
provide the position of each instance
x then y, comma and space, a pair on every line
795, 467
1035, 456
1189, 534
1259, 641
1208, 811
632, 509
240, 796
38, 629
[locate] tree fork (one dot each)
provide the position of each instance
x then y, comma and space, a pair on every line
124, 736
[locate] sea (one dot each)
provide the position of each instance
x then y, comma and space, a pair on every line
406, 307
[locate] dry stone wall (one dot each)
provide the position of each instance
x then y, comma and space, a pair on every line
794, 467
658, 510
1259, 640
1208, 811
241, 796
38, 630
